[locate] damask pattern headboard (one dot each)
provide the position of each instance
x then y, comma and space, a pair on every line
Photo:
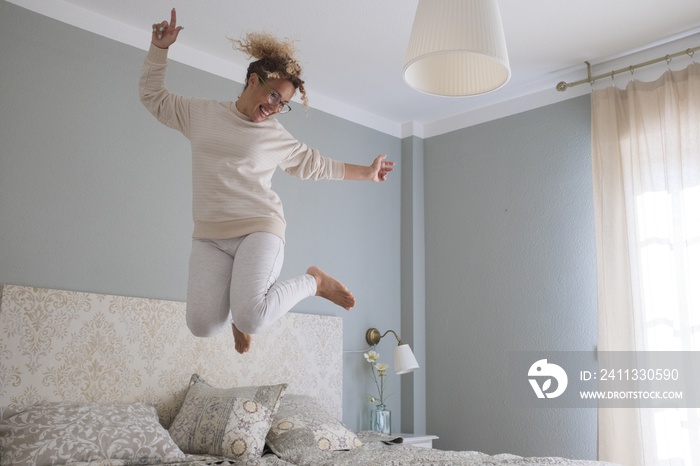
73, 346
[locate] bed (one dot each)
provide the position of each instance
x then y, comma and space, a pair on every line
98, 379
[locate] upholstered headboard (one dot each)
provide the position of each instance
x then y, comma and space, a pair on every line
73, 346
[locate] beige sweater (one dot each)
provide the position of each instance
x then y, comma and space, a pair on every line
233, 159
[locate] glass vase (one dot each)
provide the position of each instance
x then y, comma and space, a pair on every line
381, 420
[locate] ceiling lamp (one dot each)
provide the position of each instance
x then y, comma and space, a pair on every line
457, 48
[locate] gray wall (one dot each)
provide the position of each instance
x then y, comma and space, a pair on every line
95, 193
510, 266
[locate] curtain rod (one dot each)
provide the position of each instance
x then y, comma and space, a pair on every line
562, 86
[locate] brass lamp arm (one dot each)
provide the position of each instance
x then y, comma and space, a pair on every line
373, 336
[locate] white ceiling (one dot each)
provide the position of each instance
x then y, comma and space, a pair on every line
352, 51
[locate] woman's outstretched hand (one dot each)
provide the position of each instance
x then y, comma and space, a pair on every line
165, 33
376, 172
381, 168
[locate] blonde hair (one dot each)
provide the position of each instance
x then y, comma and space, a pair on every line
274, 59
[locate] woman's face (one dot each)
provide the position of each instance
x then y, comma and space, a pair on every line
258, 97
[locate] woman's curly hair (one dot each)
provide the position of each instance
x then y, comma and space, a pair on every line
275, 59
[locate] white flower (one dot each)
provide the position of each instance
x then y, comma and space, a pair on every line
379, 372
371, 356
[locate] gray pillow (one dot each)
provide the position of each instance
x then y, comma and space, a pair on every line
57, 433
230, 422
301, 423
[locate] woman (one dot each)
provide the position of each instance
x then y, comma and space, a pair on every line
238, 239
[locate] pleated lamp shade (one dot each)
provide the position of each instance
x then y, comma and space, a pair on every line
404, 360
457, 48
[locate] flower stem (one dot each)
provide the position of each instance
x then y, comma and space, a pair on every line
379, 389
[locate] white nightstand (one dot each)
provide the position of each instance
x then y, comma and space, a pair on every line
418, 440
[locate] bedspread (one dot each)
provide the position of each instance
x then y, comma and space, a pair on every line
376, 451
374, 454
267, 460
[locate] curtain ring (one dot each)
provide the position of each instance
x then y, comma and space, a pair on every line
691, 54
668, 61
591, 81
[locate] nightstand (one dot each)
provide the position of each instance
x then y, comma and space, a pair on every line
418, 440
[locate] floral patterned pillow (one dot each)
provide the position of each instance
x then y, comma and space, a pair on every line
59, 433
229, 422
302, 423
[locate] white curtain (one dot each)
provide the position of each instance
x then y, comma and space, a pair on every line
646, 184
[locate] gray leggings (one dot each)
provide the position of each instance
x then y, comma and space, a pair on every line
240, 275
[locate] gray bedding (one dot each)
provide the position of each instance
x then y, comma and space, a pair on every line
379, 451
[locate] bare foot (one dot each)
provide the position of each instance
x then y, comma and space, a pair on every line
243, 340
331, 289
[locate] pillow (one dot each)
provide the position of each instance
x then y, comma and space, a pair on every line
57, 433
225, 422
302, 423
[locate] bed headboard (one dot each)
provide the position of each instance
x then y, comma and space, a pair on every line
83, 347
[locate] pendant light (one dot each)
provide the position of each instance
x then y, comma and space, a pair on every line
457, 48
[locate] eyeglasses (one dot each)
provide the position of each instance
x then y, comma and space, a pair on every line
274, 98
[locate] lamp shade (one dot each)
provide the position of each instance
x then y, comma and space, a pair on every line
404, 360
457, 48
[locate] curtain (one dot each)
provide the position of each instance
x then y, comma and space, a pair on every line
646, 187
